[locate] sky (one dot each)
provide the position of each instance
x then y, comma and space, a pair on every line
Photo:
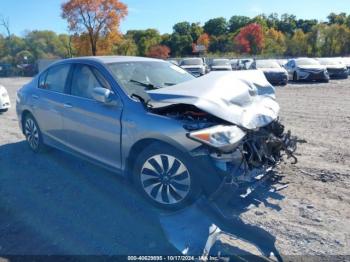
163, 14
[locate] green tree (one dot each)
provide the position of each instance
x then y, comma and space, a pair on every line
275, 43
287, 24
306, 25
126, 47
144, 39
196, 31
297, 45
216, 26
182, 28
236, 22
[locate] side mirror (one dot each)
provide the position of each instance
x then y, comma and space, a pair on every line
104, 96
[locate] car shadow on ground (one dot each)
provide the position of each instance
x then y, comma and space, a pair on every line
54, 203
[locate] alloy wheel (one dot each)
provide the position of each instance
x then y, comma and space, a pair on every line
165, 179
32, 133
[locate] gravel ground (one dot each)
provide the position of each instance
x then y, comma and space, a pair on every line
56, 204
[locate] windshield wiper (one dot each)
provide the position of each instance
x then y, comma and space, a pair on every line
148, 85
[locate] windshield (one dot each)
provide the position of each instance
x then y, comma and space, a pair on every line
266, 64
217, 62
192, 61
307, 61
137, 77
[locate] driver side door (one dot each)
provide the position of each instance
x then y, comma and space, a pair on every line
92, 128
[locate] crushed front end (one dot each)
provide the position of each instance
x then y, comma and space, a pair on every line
234, 116
254, 158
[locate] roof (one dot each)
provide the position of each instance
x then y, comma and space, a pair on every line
116, 59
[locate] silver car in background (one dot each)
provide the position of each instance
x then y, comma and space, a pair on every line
335, 67
175, 135
220, 65
306, 69
195, 66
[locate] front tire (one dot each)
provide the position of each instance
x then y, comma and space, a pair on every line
33, 134
166, 177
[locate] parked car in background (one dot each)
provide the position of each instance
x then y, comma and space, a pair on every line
335, 67
282, 62
306, 69
245, 63
220, 65
5, 103
346, 61
195, 66
273, 72
175, 135
234, 64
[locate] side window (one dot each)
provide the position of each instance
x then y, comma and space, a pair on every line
85, 79
55, 78
42, 80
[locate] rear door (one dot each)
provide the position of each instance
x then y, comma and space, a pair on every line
93, 128
48, 99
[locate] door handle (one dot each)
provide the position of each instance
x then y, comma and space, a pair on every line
67, 106
35, 96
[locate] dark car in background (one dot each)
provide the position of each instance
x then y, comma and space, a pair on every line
336, 69
306, 69
273, 72
220, 65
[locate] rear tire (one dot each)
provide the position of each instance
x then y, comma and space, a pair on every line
33, 134
166, 177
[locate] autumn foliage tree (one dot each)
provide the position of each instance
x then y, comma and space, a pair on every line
94, 20
204, 40
250, 39
159, 51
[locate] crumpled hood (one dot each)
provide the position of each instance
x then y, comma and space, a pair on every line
244, 98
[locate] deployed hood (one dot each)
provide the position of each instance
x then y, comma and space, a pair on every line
244, 98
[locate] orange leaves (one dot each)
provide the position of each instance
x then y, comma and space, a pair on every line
204, 40
159, 51
250, 39
96, 20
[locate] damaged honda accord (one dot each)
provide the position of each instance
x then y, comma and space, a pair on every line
175, 135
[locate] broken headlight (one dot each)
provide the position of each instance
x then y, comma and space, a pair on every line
225, 138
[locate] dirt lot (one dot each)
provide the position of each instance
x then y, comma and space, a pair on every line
56, 204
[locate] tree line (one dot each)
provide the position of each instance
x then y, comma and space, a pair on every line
94, 30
